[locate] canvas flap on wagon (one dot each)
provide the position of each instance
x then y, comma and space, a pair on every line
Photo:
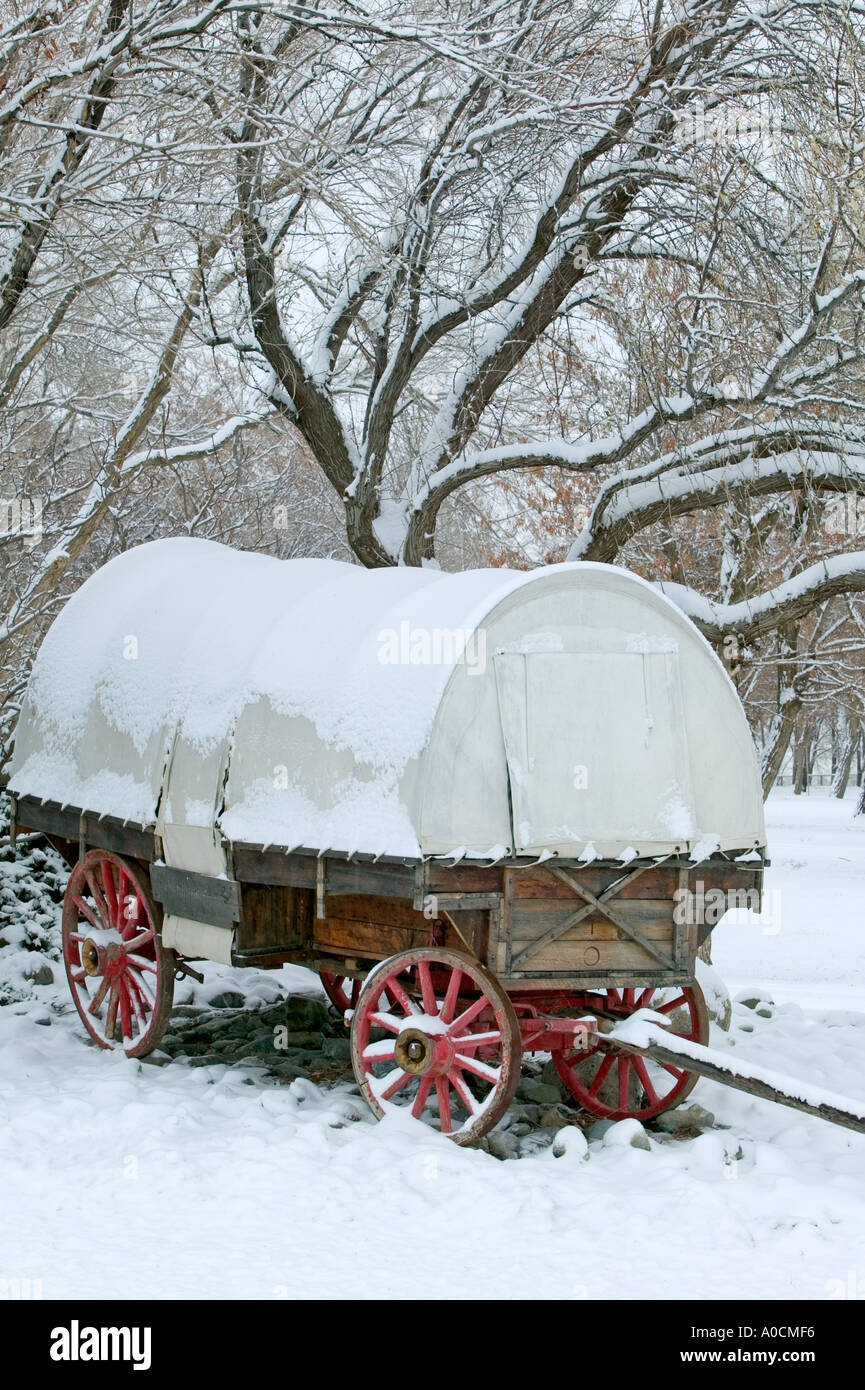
561, 713
186, 830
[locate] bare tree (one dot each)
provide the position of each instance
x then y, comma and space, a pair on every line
477, 263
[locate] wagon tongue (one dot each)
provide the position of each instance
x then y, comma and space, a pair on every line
644, 1035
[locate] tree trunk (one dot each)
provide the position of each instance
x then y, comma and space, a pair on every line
780, 734
800, 766
845, 760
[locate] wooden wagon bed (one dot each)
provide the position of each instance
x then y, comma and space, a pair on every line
562, 922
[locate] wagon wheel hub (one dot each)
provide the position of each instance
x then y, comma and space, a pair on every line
417, 1052
90, 957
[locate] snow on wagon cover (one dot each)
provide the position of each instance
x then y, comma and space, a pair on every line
310, 703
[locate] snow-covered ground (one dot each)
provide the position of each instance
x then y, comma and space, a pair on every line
123, 1179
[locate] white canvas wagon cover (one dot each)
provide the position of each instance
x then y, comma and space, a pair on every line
571, 710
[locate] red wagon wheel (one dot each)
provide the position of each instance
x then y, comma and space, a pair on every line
122, 980
341, 990
434, 1032
618, 1086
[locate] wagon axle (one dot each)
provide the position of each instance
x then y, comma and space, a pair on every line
541, 1033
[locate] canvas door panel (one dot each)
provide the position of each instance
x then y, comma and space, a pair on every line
186, 826
596, 748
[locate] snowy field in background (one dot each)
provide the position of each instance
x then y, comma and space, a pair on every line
127, 1180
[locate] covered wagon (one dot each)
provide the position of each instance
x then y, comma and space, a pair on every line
485, 807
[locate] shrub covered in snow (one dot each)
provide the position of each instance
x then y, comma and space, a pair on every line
32, 880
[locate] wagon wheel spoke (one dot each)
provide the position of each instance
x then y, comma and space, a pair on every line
601, 1077
129, 923
479, 1069
444, 1104
85, 912
678, 1072
640, 1068
426, 989
137, 983
135, 1001
670, 1005
451, 997
142, 963
464, 1093
99, 898
624, 1070
96, 1001
125, 891
402, 1079
400, 997
474, 1011
420, 1099
383, 1051
125, 1010
473, 1040
111, 1017
110, 893
341, 990
387, 1021
137, 942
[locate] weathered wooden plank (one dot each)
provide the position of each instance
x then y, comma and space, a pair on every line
300, 871
215, 901
565, 956
463, 878
270, 959
48, 816
659, 882
514, 959
532, 917
363, 907
65, 823
372, 926
558, 980
652, 883
267, 866
274, 917
472, 930
371, 939
390, 880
